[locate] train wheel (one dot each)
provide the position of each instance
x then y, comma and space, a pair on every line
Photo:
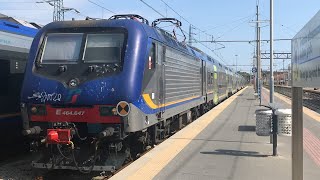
195, 113
139, 142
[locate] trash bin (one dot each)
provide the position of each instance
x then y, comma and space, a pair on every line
263, 122
284, 122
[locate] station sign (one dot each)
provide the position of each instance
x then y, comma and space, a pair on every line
254, 70
305, 50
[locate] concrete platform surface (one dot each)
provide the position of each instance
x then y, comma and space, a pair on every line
223, 145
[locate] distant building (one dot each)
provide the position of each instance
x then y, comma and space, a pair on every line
280, 78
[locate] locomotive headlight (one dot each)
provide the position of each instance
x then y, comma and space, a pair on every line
107, 111
34, 110
114, 111
73, 82
38, 110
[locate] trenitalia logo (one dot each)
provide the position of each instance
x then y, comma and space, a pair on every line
60, 112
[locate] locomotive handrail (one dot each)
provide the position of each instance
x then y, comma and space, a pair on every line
130, 16
170, 20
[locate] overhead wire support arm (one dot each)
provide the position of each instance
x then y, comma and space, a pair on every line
276, 55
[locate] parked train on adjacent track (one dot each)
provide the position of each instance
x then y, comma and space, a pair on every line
15, 40
98, 92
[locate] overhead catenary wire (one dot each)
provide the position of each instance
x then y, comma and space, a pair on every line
204, 31
20, 9
181, 17
23, 9
243, 20
99, 5
288, 29
102, 7
212, 50
152, 8
235, 27
232, 22
13, 2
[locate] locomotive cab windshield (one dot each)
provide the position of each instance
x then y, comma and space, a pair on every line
98, 48
61, 48
103, 48
81, 55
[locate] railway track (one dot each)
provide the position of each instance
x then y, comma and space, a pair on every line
311, 98
19, 168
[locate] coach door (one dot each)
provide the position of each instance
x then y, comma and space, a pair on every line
204, 78
215, 85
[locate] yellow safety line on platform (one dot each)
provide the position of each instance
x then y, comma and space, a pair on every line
314, 115
150, 164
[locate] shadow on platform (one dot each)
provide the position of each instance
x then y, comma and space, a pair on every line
251, 99
226, 141
235, 153
247, 128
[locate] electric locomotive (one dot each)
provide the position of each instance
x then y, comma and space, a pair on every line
97, 93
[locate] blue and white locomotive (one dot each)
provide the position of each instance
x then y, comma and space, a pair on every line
98, 92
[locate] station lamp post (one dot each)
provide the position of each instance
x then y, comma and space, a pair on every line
236, 62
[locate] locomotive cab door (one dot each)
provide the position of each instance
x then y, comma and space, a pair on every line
161, 54
153, 80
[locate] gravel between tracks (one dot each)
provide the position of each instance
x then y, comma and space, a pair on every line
17, 168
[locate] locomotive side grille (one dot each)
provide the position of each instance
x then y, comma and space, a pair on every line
182, 76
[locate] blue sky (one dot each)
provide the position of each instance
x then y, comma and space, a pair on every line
220, 19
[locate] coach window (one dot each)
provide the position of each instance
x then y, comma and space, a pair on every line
152, 57
210, 78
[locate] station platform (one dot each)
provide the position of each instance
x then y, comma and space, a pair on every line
222, 145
